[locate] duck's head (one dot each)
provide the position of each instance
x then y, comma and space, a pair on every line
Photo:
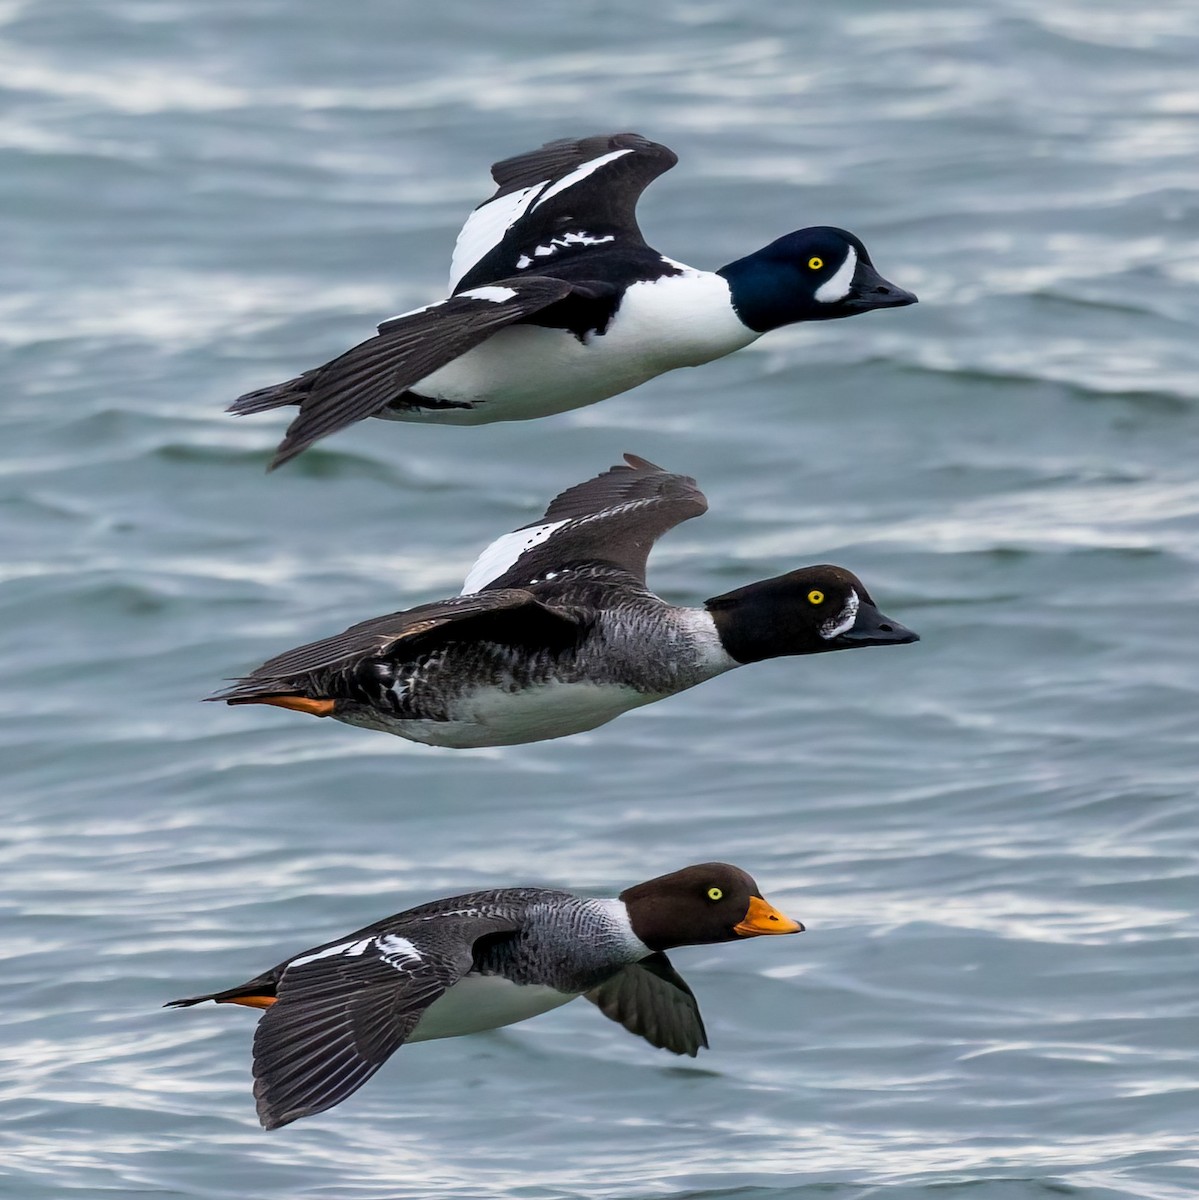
809, 611
813, 274
711, 902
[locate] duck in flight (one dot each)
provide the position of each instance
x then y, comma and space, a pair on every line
556, 302
556, 631
335, 1014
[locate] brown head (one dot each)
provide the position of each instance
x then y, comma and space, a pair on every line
711, 902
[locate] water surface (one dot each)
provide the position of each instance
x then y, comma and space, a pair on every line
990, 835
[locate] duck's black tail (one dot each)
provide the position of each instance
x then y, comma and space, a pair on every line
258, 993
279, 395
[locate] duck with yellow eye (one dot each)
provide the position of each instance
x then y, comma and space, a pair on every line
332, 1015
816, 274
556, 630
809, 611
557, 301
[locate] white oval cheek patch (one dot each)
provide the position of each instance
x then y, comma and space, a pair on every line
835, 626
837, 288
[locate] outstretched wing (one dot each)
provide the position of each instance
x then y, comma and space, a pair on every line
510, 616
343, 1010
614, 518
651, 999
364, 380
538, 199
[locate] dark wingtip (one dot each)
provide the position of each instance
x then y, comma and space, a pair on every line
285, 453
269, 1118
640, 464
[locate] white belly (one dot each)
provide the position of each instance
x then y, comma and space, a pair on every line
527, 371
479, 1002
491, 717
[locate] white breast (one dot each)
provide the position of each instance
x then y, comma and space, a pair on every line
479, 1002
527, 371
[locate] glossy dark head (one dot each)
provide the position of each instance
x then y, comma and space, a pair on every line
814, 274
712, 902
809, 611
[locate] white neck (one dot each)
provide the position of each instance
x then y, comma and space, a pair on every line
616, 913
711, 658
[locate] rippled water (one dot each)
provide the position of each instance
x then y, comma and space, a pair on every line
991, 835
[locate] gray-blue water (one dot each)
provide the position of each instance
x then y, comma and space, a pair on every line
991, 835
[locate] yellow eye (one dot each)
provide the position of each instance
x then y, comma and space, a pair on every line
715, 894
815, 263
815, 596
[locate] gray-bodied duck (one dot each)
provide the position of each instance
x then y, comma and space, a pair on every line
556, 632
335, 1014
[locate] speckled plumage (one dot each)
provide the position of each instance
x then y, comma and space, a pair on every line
558, 632
629, 641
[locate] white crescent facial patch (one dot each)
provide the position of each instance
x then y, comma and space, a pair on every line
835, 626
837, 287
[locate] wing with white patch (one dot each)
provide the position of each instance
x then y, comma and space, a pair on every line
364, 380
539, 199
614, 518
651, 999
329, 668
343, 1010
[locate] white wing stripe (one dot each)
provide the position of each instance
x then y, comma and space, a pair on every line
349, 949
563, 242
497, 295
485, 229
412, 312
579, 174
504, 553
398, 951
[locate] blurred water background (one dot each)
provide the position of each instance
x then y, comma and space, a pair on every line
991, 836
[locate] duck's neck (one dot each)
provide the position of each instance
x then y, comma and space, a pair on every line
766, 293
681, 320
708, 656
